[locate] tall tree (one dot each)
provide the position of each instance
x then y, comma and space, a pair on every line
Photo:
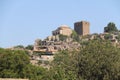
111, 27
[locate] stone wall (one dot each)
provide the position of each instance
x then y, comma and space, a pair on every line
82, 28
64, 30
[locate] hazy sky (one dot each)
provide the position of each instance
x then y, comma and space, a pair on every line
23, 21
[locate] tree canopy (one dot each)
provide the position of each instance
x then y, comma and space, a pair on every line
75, 36
16, 64
111, 27
96, 61
62, 37
99, 61
29, 47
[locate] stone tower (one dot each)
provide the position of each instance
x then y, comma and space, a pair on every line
82, 28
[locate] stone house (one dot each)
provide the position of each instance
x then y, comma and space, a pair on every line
63, 29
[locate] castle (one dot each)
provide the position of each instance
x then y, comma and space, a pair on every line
82, 28
53, 43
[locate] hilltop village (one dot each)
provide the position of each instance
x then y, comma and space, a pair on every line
61, 39
65, 38
66, 53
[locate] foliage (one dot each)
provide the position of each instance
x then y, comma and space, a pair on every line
96, 60
99, 60
16, 64
107, 36
46, 62
62, 37
118, 37
29, 47
34, 72
19, 46
62, 68
75, 36
84, 43
111, 27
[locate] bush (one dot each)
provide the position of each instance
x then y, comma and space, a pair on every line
62, 37
98, 60
16, 64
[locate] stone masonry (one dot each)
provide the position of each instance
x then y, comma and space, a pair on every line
82, 28
63, 29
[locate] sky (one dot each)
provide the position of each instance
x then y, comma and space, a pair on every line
24, 21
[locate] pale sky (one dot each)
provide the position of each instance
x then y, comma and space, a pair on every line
23, 21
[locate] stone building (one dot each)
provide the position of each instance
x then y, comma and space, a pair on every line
53, 38
64, 30
82, 28
52, 44
37, 44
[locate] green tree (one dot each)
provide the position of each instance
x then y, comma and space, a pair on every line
63, 67
118, 37
111, 27
33, 72
98, 60
63, 37
19, 46
29, 47
16, 64
107, 36
75, 36
12, 63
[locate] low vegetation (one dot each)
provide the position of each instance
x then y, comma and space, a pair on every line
16, 64
96, 61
